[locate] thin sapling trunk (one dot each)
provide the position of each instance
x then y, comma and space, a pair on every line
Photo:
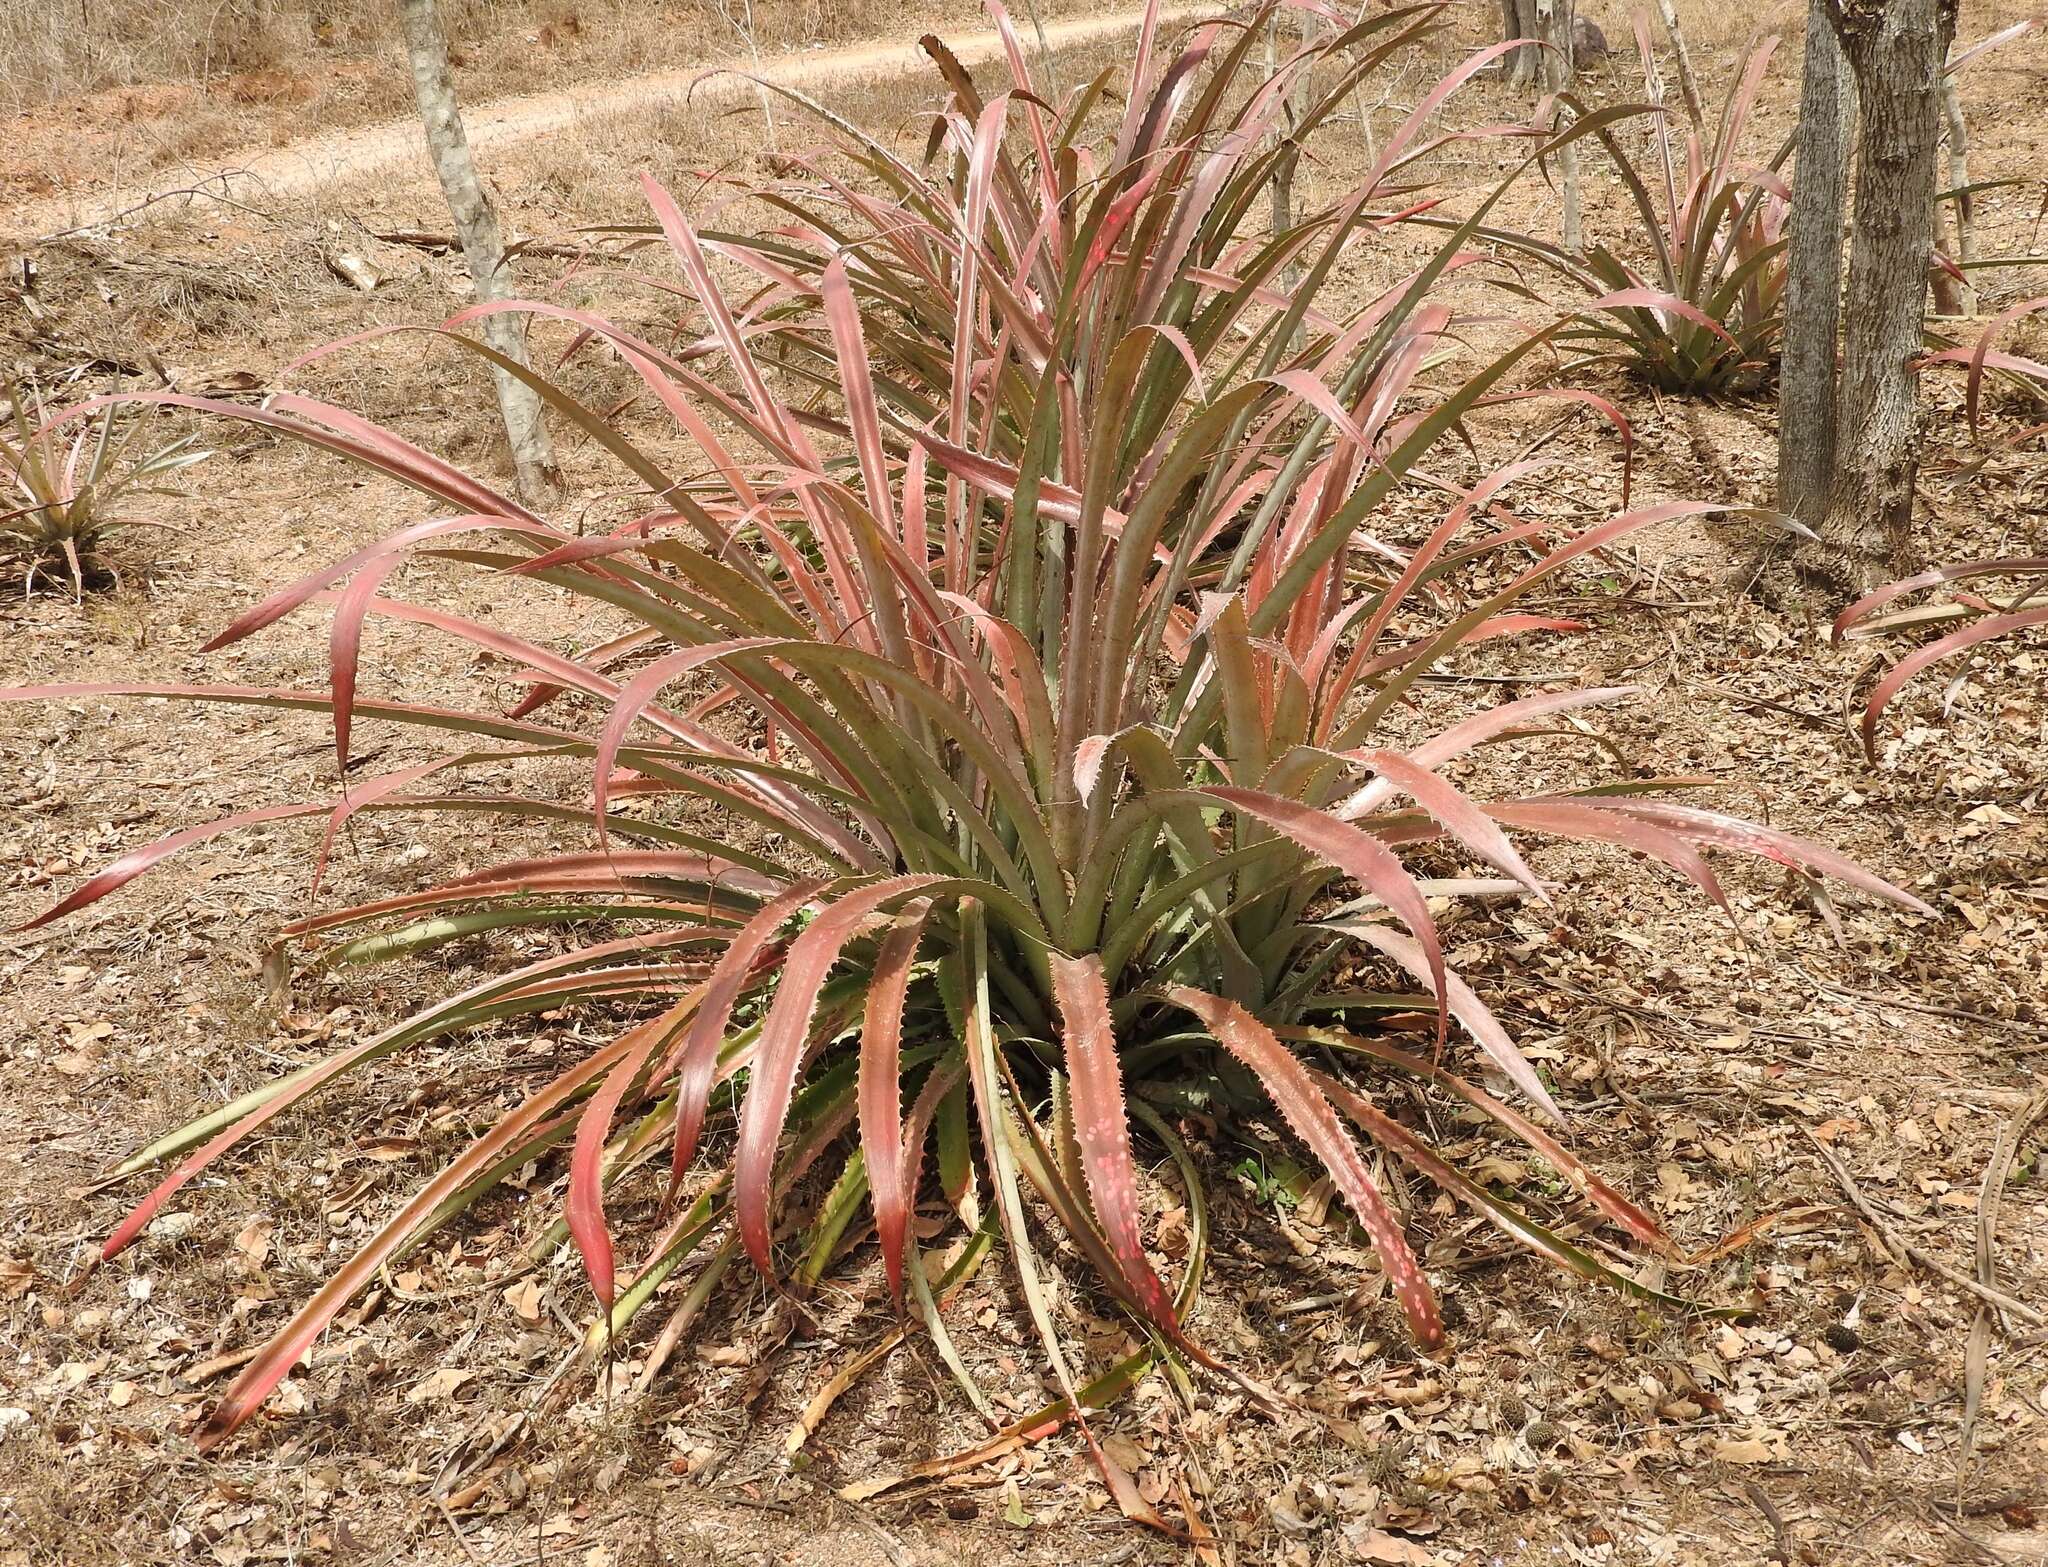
476, 225
1813, 287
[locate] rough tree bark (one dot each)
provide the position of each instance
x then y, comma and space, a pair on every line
1554, 18
1688, 84
1958, 137
1282, 192
742, 23
1813, 287
1519, 20
1294, 109
476, 225
1367, 110
1897, 50
1553, 70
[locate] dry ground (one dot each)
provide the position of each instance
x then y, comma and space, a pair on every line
178, 79
1566, 1427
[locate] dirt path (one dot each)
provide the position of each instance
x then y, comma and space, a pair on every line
304, 166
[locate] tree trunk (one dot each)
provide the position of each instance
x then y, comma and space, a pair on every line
742, 22
1519, 20
1365, 110
1959, 181
1294, 109
1897, 50
1688, 84
1945, 291
1046, 63
1813, 286
1282, 191
476, 225
1554, 17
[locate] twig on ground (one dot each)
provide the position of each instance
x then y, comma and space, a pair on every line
497, 1283
1932, 1009
760, 1504
1985, 1506
1744, 699
891, 1546
1976, 1548
1907, 1252
457, 1468
207, 1370
1977, 1355
199, 192
455, 1529
1780, 1550
1865, 1378
820, 1405
424, 239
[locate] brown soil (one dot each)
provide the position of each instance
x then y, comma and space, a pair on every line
78, 163
1565, 1427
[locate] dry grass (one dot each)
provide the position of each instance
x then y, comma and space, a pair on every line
102, 93
253, 52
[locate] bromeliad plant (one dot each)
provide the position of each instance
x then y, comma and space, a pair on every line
2023, 606
1703, 317
1075, 713
1983, 618
1984, 360
64, 496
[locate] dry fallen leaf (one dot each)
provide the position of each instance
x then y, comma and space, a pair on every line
388, 1150
439, 1385
254, 1240
828, 1395
219, 382
1368, 1544
1747, 1450
525, 1300
2030, 1546
1123, 1450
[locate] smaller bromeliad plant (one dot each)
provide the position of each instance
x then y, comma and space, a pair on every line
1983, 361
65, 495
1085, 674
1984, 617
1695, 301
1973, 615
